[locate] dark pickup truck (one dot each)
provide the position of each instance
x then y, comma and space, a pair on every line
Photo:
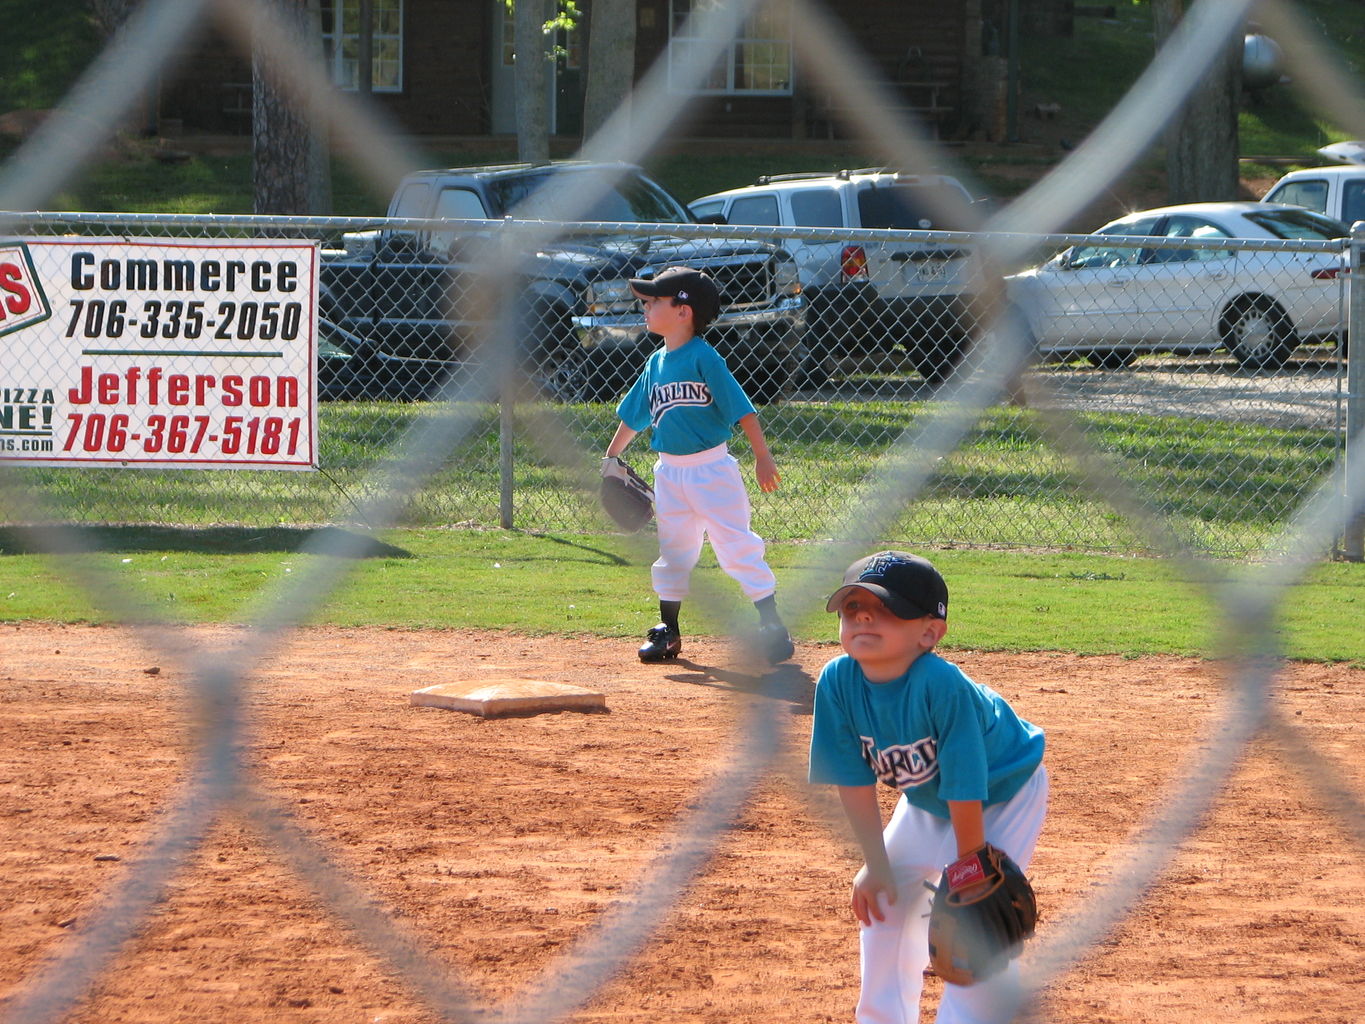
404, 308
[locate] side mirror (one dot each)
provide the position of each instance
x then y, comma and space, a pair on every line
713, 218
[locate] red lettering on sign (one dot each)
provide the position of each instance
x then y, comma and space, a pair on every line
18, 298
178, 389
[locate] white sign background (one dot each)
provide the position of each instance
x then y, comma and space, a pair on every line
165, 353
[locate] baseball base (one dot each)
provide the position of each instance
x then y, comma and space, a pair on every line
492, 697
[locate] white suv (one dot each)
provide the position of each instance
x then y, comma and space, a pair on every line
863, 293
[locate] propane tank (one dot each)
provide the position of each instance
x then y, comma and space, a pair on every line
1262, 61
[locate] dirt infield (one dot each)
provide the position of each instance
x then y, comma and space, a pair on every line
496, 842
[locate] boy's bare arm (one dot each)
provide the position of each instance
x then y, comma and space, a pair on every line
620, 440
969, 825
874, 879
765, 466
969, 828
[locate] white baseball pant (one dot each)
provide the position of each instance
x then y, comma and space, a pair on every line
895, 951
699, 497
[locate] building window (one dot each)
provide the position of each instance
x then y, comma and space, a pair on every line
757, 63
341, 43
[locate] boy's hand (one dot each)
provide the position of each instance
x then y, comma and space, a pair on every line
765, 468
868, 887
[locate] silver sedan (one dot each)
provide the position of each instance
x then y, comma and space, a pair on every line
1142, 288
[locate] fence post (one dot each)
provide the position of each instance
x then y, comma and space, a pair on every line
1353, 539
503, 335
505, 410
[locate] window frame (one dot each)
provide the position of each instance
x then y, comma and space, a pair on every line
732, 61
335, 44
766, 202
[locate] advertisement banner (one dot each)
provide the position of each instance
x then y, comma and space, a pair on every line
166, 353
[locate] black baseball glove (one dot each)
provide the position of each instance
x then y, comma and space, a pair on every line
627, 498
983, 910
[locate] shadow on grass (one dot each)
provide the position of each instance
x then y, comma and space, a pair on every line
207, 540
609, 556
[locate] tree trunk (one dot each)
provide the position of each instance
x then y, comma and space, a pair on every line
365, 52
319, 141
1201, 143
611, 61
110, 15
532, 73
287, 159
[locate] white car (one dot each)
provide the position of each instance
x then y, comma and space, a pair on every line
1111, 300
862, 293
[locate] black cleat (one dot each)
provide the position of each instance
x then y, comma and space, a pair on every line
775, 643
663, 644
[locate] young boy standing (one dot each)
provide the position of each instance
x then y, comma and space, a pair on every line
691, 401
969, 770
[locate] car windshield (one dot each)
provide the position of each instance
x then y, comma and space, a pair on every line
1303, 224
1310, 194
632, 199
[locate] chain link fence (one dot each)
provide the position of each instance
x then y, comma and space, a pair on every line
931, 421
1210, 373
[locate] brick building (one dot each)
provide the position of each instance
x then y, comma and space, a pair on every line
444, 67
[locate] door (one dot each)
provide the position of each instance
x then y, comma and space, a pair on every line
564, 91
1179, 291
1094, 291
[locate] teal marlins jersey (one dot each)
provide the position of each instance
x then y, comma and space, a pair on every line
934, 734
688, 396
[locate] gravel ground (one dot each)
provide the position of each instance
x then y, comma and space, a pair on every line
1310, 391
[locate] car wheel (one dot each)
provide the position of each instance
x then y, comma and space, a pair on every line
766, 382
596, 374
1258, 334
569, 380
544, 335
1114, 359
814, 371
936, 355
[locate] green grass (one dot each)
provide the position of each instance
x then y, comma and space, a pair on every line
1005, 485
46, 48
1091, 71
589, 584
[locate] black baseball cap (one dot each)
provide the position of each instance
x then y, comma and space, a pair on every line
908, 585
686, 285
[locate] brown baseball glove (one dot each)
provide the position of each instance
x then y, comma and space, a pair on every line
983, 910
626, 497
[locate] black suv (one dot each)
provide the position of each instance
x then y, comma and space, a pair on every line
397, 306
